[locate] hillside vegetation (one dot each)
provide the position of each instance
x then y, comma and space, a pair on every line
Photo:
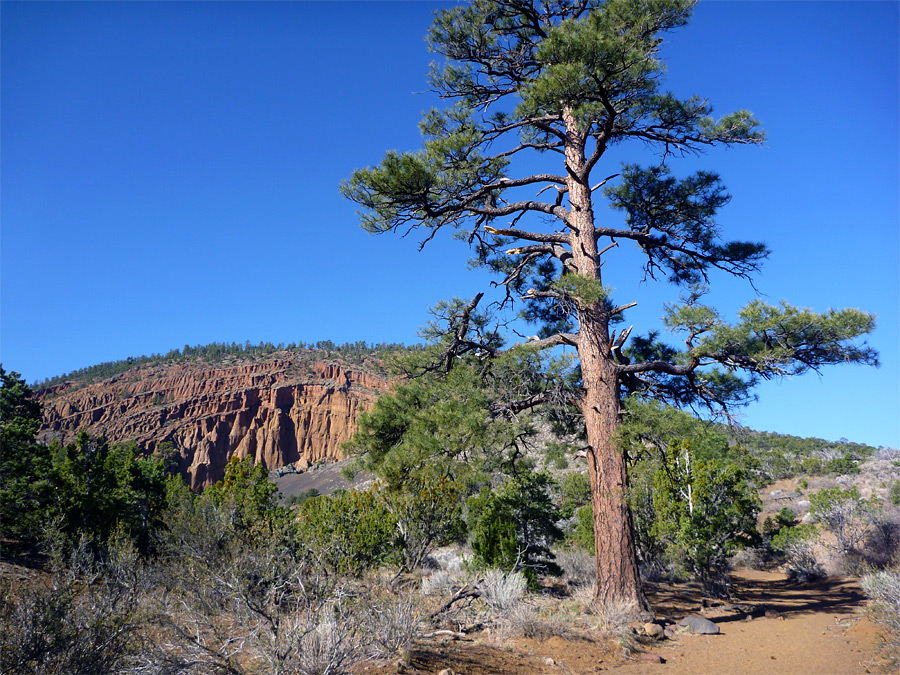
214, 353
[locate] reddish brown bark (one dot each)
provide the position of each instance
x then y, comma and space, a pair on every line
616, 572
616, 563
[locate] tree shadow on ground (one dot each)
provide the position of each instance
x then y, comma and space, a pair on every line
754, 595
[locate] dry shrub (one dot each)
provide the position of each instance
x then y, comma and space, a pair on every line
81, 617
614, 621
578, 566
751, 558
801, 562
503, 591
450, 558
444, 582
659, 571
883, 589
395, 622
526, 621
883, 544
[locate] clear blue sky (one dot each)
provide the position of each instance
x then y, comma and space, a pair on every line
170, 175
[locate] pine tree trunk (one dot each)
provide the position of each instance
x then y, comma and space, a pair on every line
616, 562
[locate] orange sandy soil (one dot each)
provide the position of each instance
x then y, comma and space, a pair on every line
820, 628
815, 628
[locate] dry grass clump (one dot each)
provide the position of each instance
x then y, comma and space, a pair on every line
445, 582
503, 591
883, 589
613, 620
325, 645
584, 597
529, 621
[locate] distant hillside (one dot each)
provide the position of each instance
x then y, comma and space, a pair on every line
289, 406
780, 455
295, 405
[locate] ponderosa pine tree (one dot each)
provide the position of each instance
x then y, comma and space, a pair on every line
562, 81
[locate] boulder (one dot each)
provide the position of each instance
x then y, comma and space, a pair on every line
699, 625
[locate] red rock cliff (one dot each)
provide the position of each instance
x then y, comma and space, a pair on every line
278, 411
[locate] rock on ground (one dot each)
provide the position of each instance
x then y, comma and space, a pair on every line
699, 625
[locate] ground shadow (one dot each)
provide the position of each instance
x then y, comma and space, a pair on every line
754, 596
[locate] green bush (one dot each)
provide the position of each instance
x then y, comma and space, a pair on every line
842, 466
493, 531
513, 527
575, 492
428, 514
788, 536
797, 545
349, 531
582, 537
246, 487
555, 455
894, 493
298, 499
784, 518
705, 512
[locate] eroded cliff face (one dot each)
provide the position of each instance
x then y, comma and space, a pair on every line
280, 411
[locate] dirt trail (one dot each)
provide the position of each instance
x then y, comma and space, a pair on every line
815, 628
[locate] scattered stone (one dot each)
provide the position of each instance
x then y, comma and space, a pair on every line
446, 671
773, 614
699, 625
653, 630
549, 661
652, 658
776, 493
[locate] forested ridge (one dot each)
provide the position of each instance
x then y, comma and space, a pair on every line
220, 352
